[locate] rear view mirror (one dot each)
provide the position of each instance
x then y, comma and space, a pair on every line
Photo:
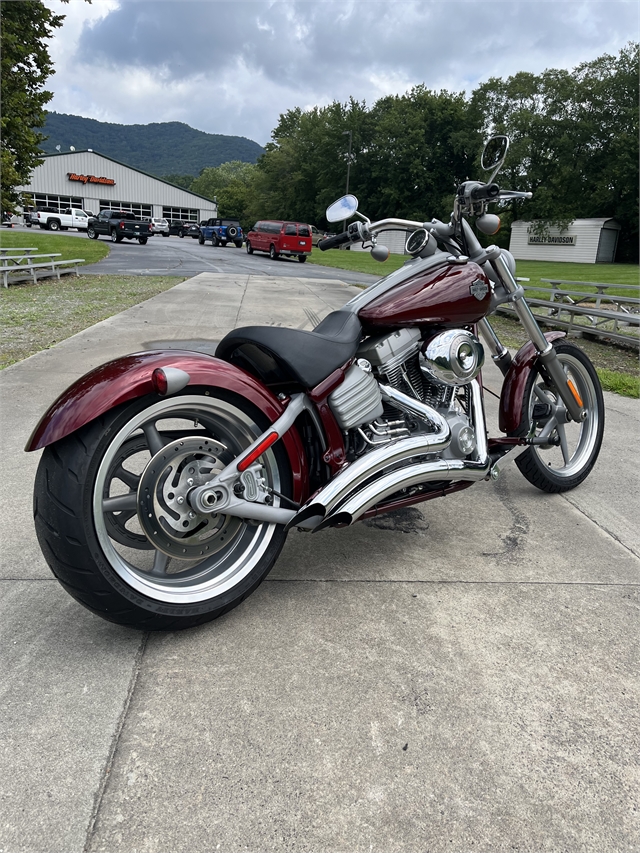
342, 209
494, 153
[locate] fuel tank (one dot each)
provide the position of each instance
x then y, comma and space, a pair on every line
449, 295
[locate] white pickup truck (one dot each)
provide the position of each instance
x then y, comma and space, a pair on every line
70, 218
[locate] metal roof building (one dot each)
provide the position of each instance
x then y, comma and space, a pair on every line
94, 182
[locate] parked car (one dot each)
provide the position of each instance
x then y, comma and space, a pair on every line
221, 232
292, 239
183, 228
317, 235
193, 230
159, 226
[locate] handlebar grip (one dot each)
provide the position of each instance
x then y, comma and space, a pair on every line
335, 240
488, 191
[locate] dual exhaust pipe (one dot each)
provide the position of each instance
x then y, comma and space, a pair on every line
367, 481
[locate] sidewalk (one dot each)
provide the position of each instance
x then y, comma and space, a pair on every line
461, 676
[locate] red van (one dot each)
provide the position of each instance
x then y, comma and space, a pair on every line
280, 238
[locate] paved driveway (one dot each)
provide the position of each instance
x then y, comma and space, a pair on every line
460, 676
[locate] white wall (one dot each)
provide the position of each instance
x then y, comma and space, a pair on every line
585, 234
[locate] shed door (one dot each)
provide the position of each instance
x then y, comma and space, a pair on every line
607, 246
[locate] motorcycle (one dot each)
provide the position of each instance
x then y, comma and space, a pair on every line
169, 480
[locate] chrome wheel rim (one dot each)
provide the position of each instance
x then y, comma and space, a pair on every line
570, 444
234, 547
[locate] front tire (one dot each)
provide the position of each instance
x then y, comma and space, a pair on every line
572, 449
87, 504
249, 248
91, 233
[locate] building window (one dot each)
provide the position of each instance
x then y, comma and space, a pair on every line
58, 202
143, 210
184, 214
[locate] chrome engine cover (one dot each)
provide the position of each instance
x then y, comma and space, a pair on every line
453, 358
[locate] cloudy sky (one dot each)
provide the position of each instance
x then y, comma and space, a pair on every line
232, 66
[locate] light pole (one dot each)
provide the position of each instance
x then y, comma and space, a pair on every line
348, 133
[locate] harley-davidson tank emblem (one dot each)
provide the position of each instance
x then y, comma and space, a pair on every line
479, 289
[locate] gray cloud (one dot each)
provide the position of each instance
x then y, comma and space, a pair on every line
233, 67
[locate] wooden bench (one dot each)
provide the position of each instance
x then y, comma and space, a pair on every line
34, 270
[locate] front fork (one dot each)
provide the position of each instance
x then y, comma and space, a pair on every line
546, 352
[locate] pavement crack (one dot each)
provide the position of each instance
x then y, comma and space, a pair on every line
114, 743
610, 533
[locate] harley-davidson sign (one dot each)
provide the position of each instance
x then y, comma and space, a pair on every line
90, 179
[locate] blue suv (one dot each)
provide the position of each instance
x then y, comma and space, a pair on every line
221, 232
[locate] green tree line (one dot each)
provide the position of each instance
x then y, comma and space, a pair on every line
574, 146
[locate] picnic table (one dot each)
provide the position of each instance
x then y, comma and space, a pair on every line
23, 267
17, 250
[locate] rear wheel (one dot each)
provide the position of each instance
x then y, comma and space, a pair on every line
201, 240
238, 244
571, 449
273, 252
115, 526
53, 225
115, 237
302, 258
142, 241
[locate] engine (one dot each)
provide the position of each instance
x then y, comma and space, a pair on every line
436, 371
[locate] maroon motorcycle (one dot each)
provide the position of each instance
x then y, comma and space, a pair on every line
169, 480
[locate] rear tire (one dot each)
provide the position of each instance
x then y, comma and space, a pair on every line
573, 448
238, 244
302, 258
142, 241
273, 253
106, 560
53, 225
115, 237
201, 240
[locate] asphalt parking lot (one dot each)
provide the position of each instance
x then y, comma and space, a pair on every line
186, 257
460, 676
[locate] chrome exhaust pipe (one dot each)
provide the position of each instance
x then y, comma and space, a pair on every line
373, 463
422, 472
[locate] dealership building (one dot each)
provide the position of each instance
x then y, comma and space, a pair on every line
94, 182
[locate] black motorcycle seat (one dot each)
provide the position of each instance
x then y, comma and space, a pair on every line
309, 356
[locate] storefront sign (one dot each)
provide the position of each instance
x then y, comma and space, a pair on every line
90, 179
552, 240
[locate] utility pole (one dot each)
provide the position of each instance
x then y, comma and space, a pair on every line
348, 133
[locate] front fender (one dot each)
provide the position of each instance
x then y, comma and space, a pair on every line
512, 395
129, 377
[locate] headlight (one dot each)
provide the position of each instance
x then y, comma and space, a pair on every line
454, 357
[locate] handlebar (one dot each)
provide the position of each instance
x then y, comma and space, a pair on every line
333, 241
485, 193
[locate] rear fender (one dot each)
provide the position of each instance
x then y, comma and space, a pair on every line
129, 377
512, 395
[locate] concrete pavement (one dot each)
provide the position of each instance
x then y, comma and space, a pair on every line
459, 676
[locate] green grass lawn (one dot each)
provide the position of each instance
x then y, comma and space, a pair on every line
69, 247
34, 317
356, 261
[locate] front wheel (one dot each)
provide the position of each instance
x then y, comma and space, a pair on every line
91, 233
570, 449
249, 248
114, 523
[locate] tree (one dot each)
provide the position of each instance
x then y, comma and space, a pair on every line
230, 185
25, 66
574, 141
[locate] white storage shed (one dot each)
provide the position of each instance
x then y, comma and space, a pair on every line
585, 241
94, 182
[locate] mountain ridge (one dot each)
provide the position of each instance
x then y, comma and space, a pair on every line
159, 148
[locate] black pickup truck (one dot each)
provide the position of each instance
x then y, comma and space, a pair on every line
119, 225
